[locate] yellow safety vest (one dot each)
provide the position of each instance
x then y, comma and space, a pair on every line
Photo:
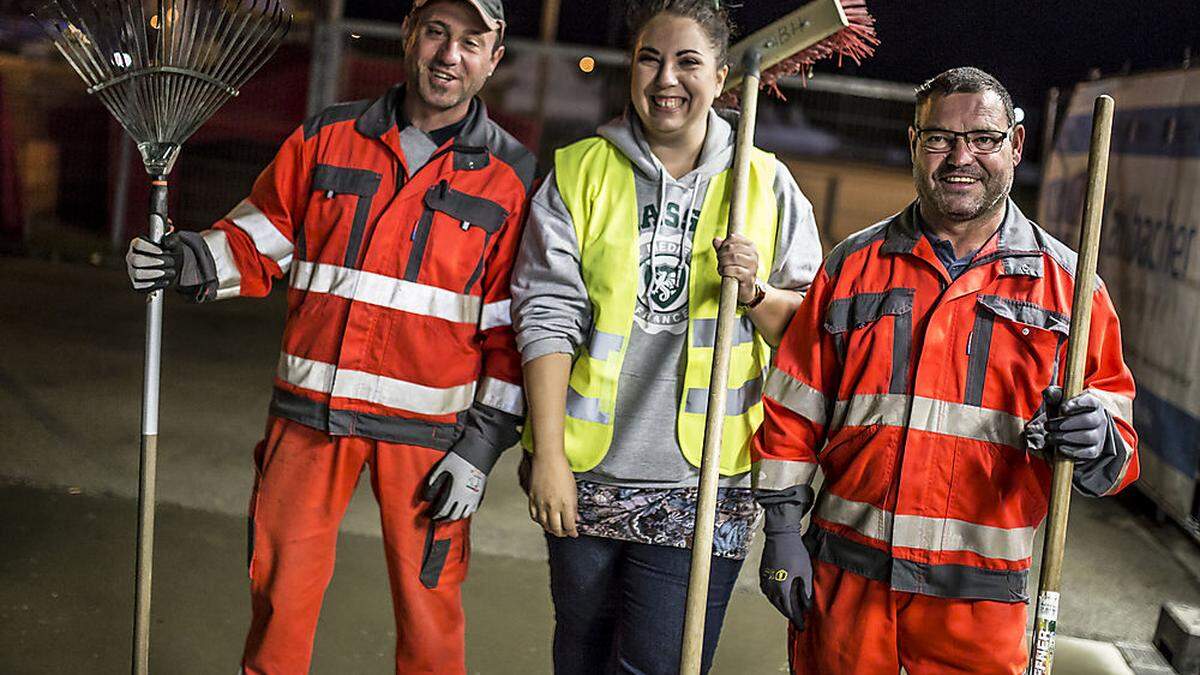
597, 185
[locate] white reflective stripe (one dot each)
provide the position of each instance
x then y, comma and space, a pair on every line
314, 375
796, 396
496, 314
780, 474
861, 517
925, 533
948, 534
1124, 465
932, 415
267, 238
1116, 404
501, 395
229, 278
385, 291
391, 392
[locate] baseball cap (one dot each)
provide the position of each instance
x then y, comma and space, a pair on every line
491, 11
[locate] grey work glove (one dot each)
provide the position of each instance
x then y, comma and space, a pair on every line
1077, 428
179, 262
454, 488
785, 573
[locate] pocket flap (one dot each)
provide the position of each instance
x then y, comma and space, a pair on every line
361, 182
472, 210
864, 308
1027, 313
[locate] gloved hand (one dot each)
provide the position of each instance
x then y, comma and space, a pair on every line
785, 571
454, 488
1077, 428
174, 263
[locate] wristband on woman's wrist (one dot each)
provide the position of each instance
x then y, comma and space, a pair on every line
760, 292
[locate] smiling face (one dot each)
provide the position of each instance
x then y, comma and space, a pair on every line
959, 185
448, 54
675, 76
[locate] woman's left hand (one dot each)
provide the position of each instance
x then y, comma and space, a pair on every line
738, 258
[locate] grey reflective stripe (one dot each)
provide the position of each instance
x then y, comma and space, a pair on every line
583, 408
385, 291
602, 344
864, 308
496, 314
327, 378
737, 401
1116, 404
865, 519
269, 241
1124, 465
779, 474
704, 332
1026, 313
946, 581
932, 415
390, 428
948, 534
902, 332
979, 347
796, 396
501, 395
229, 278
926, 533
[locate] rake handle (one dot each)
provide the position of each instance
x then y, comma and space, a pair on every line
1045, 624
149, 449
706, 501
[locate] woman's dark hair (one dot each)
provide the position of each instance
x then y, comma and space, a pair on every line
709, 14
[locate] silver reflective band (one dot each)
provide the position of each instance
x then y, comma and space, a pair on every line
602, 344
267, 238
229, 278
501, 395
496, 314
778, 474
931, 415
737, 401
1116, 404
583, 408
385, 291
704, 332
796, 396
387, 391
925, 533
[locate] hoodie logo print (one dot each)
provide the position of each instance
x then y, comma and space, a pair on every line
665, 257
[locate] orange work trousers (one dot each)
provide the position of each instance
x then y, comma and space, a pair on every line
858, 626
304, 481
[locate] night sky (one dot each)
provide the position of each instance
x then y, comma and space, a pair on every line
1030, 45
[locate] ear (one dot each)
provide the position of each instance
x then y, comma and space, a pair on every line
1018, 143
912, 142
494, 60
722, 74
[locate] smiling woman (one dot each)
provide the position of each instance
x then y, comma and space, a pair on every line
615, 297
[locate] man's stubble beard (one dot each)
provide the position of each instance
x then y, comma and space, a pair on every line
987, 203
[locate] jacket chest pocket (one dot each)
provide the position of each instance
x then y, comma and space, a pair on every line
451, 238
340, 202
1014, 347
864, 338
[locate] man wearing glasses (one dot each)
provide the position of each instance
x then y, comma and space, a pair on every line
922, 375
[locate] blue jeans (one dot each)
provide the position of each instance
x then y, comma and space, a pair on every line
618, 606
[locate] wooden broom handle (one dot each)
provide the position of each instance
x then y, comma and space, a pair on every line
1046, 617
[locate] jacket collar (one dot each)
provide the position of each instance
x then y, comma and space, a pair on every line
470, 147
1017, 245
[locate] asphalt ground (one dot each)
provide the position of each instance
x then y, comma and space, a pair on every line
71, 336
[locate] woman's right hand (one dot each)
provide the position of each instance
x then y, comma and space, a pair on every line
552, 496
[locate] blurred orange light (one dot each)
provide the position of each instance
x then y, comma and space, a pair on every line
587, 64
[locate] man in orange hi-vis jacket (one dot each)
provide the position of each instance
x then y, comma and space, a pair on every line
921, 375
395, 224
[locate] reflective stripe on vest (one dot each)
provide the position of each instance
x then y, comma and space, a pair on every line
596, 183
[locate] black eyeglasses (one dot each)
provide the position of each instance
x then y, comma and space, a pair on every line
980, 142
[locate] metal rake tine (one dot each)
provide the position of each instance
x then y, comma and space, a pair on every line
238, 50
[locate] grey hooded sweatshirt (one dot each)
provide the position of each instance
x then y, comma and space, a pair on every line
552, 313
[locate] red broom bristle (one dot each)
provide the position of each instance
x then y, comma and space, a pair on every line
857, 42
